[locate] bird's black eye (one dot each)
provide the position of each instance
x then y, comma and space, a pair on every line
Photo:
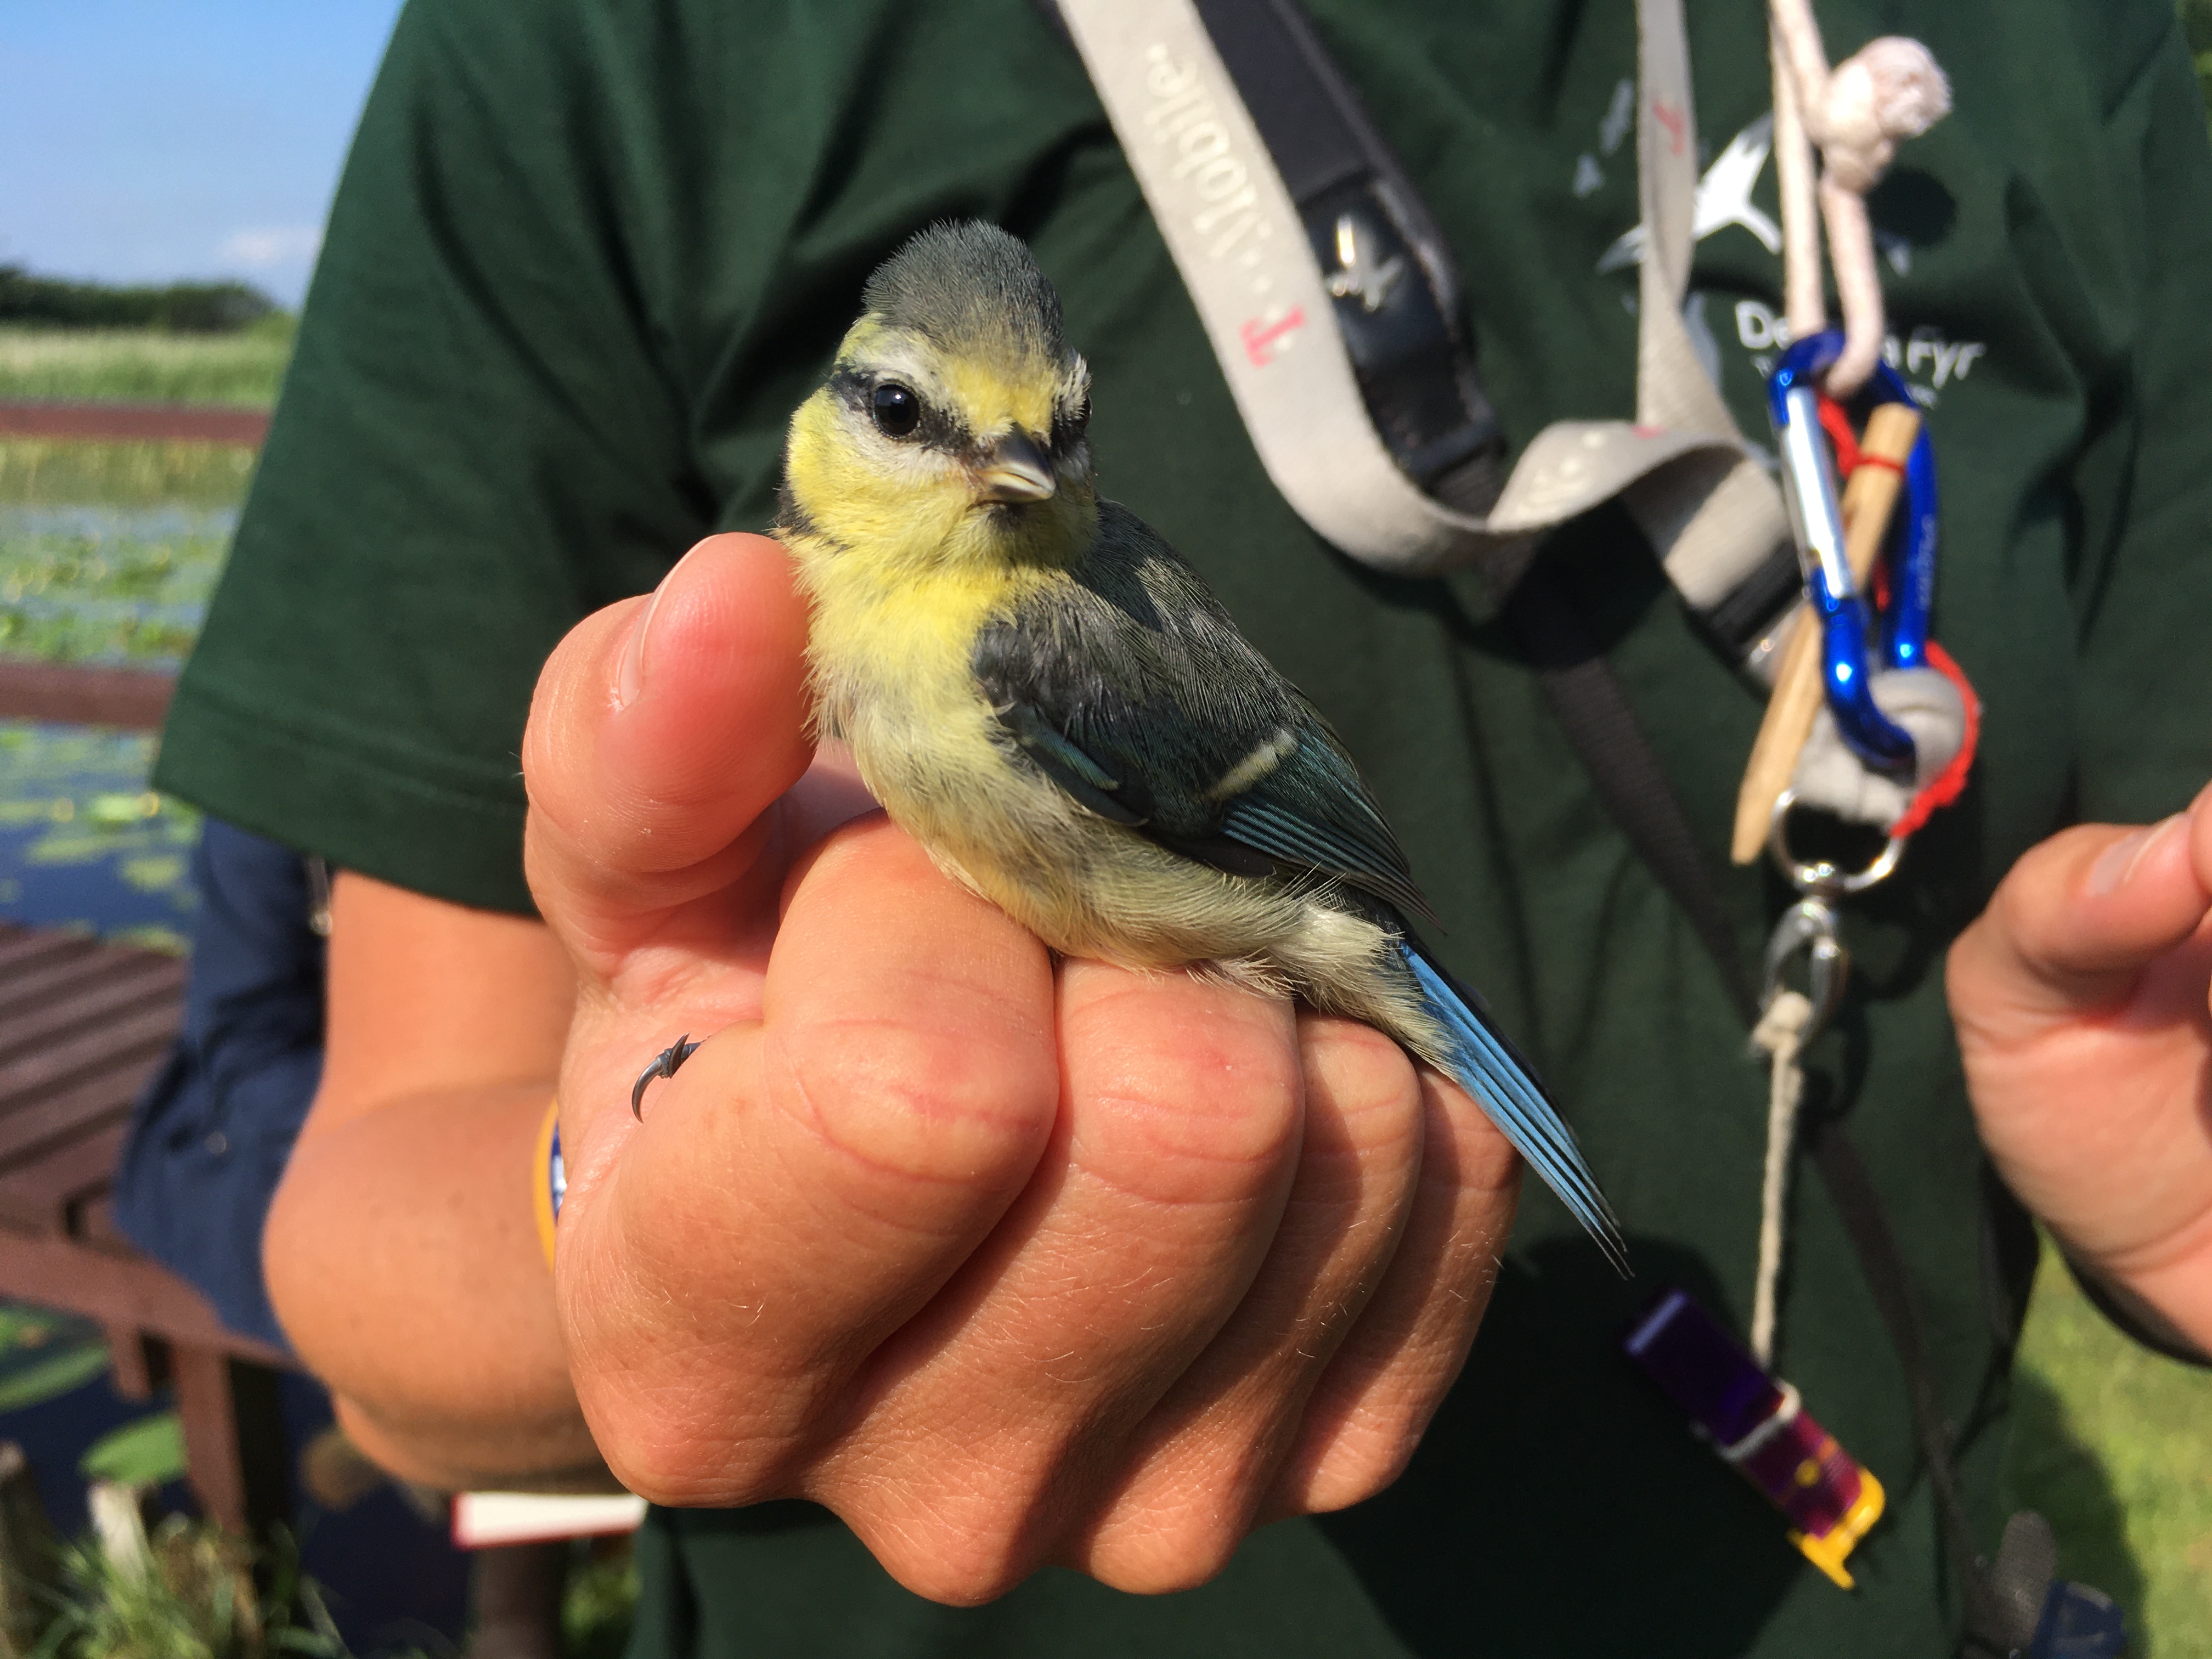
897, 411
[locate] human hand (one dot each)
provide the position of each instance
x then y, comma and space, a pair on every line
1003, 1262
2083, 1001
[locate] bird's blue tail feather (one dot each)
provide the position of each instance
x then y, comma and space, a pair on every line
1487, 1068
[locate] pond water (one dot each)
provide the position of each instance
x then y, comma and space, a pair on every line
108, 584
83, 843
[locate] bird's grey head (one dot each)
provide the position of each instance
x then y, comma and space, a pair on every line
971, 289
958, 372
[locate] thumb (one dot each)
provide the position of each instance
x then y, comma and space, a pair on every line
2076, 920
661, 731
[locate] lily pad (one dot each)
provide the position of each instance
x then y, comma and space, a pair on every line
146, 1452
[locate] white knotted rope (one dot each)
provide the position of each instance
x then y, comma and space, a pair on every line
1890, 89
1780, 1035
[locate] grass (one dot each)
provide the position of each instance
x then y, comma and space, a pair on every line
2114, 1444
62, 472
595, 1615
130, 365
195, 1597
192, 1595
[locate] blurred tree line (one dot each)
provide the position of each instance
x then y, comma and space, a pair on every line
180, 307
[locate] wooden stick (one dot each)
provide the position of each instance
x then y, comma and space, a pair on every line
1868, 499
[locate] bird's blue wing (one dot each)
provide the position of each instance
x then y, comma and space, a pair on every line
1313, 811
1487, 1067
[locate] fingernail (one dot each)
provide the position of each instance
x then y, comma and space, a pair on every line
2117, 863
629, 677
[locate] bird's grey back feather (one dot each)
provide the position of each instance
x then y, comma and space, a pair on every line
1138, 665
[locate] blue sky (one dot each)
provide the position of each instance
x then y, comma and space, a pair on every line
151, 140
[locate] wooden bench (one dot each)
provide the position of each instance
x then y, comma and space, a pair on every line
82, 1025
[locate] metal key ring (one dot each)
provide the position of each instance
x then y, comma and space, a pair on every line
1824, 879
1809, 926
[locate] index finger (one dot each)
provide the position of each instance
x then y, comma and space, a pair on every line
661, 731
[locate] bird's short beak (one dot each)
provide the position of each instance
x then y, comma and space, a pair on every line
1016, 470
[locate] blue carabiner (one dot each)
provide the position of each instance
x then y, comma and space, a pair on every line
1912, 554
1808, 479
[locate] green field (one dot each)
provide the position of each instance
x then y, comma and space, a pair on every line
142, 366
58, 472
2114, 1444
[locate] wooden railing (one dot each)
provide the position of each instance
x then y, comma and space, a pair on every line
70, 694
190, 423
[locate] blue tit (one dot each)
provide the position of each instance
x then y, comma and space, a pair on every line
1043, 695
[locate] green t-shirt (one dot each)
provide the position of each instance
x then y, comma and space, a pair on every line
588, 256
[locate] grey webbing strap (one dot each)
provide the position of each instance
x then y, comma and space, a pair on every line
1237, 237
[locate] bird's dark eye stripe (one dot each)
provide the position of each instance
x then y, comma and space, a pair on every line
937, 428
852, 388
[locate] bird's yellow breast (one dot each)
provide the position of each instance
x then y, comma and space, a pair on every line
904, 570
906, 652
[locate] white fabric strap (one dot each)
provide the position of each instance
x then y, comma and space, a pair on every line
1237, 240
1890, 89
1781, 1037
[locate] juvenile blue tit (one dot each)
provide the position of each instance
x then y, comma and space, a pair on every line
1043, 694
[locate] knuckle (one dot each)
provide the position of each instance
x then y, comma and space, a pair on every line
1356, 1069
961, 1564
664, 1462
679, 1424
1356, 1477
943, 1570
1198, 1496
957, 1503
1159, 1554
1365, 1456
1220, 1107
676, 1434
651, 1474
913, 1102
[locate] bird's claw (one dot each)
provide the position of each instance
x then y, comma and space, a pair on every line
663, 1065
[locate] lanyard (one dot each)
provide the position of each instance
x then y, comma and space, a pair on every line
1284, 211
